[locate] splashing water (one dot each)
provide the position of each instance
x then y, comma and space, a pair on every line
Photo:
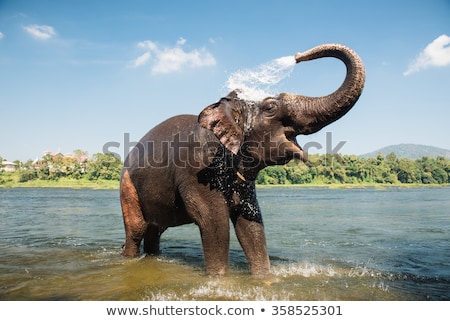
256, 84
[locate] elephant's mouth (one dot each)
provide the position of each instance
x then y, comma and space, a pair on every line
294, 150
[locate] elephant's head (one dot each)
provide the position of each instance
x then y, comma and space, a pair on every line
264, 133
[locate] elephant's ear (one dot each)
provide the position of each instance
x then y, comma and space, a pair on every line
225, 120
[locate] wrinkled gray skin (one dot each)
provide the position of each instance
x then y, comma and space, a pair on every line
202, 169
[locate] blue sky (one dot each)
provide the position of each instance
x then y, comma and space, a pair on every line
81, 74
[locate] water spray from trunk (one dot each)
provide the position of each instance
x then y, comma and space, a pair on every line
257, 83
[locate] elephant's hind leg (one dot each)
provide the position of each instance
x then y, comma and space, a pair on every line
135, 225
151, 239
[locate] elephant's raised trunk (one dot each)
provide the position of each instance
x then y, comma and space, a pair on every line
310, 114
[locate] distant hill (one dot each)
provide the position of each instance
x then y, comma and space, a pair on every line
411, 151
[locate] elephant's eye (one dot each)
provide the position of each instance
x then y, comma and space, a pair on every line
270, 108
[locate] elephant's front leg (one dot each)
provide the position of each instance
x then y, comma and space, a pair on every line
252, 238
209, 211
216, 244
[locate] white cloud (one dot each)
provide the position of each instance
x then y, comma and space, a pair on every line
41, 32
1, 35
149, 45
181, 41
170, 59
436, 54
142, 60
214, 40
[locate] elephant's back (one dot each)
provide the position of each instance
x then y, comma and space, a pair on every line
172, 126
157, 142
174, 147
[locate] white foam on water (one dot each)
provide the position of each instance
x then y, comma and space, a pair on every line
305, 270
232, 291
256, 84
227, 289
160, 296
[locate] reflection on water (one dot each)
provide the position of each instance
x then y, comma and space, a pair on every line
324, 245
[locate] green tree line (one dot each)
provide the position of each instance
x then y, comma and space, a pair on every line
350, 169
318, 169
51, 167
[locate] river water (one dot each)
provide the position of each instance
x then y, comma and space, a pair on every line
324, 244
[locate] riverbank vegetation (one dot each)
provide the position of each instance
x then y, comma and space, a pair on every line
351, 169
102, 171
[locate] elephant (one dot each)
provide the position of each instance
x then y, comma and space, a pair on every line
202, 168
